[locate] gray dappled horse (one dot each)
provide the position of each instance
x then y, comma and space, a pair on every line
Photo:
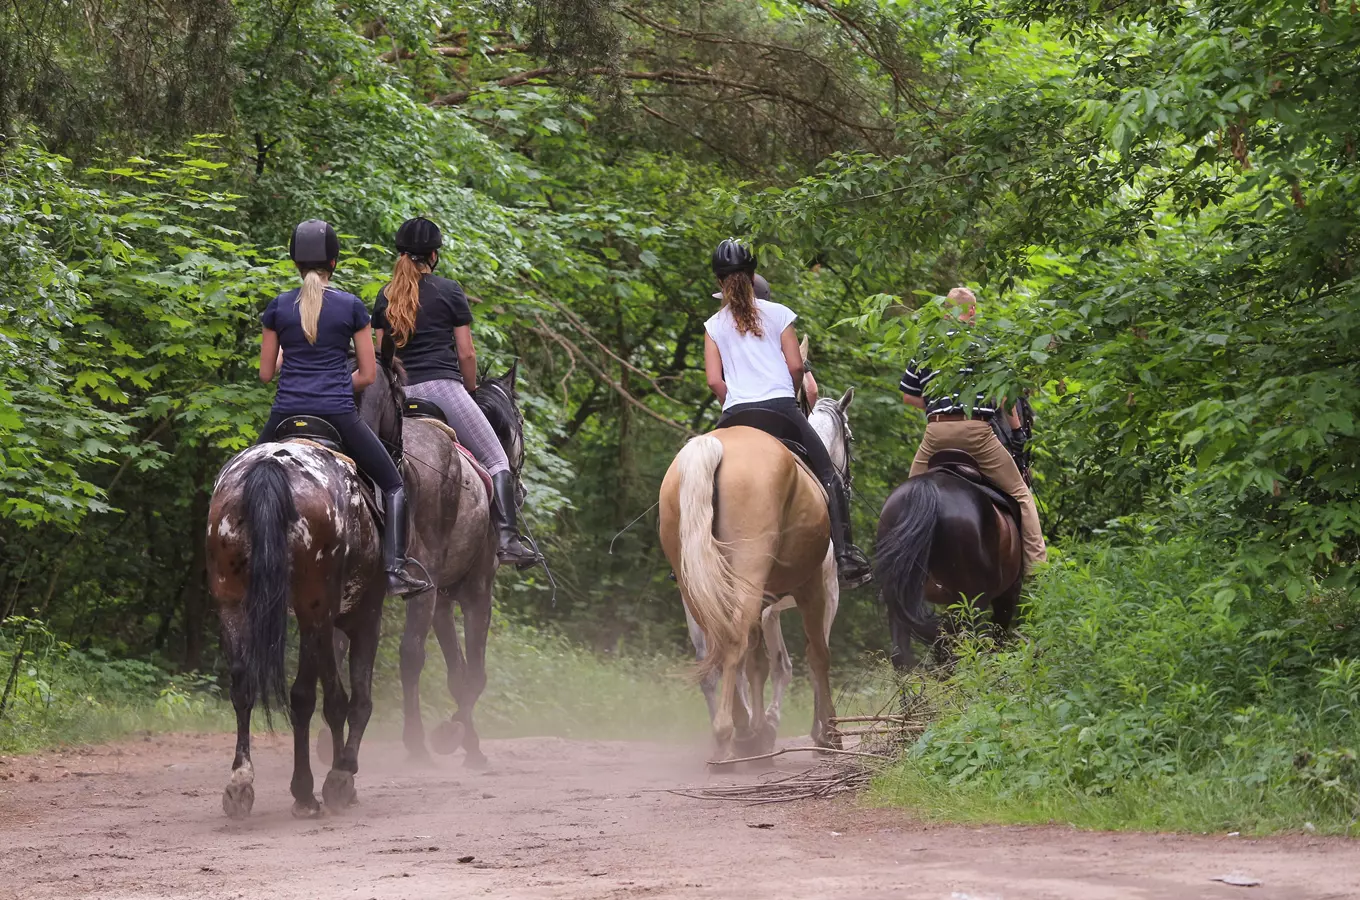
453, 538
829, 419
288, 525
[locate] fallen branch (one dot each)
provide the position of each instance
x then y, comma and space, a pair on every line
732, 762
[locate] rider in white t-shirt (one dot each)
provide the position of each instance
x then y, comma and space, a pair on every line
752, 361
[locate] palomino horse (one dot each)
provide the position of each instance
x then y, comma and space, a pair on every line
942, 539
288, 524
829, 420
741, 519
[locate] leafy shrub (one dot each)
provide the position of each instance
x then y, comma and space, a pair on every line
1146, 675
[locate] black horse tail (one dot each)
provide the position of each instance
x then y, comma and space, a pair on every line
270, 514
902, 557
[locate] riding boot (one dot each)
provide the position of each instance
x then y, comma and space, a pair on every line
399, 582
850, 560
511, 547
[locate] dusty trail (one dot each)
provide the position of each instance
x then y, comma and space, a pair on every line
561, 819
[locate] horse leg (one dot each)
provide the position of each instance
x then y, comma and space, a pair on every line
474, 597
363, 634
782, 668
750, 740
1003, 607
448, 735
327, 740
239, 796
312, 653
813, 604
335, 708
709, 683
419, 614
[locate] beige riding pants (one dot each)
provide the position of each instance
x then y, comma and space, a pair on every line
977, 438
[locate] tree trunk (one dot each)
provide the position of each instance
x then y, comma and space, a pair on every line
194, 597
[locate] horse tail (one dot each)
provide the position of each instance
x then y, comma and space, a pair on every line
270, 514
902, 557
712, 587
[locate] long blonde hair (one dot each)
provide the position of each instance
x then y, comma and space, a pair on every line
739, 293
309, 299
403, 296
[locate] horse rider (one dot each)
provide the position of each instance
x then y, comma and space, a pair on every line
752, 361
307, 335
430, 322
949, 425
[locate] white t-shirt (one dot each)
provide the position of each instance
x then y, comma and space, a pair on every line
753, 367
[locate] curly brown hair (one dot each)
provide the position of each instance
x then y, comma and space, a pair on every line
739, 294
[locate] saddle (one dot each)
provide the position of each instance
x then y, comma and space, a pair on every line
961, 464
317, 430
773, 424
420, 408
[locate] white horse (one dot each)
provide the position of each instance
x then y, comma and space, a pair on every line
828, 419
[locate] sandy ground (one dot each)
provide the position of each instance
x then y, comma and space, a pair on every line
563, 819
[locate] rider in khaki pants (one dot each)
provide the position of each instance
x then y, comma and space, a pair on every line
948, 426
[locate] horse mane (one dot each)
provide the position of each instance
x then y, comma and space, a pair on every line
499, 409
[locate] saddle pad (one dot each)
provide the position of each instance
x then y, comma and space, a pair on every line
481, 472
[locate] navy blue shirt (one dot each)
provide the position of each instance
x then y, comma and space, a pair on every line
315, 377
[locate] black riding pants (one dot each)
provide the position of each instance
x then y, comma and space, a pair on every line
360, 443
819, 460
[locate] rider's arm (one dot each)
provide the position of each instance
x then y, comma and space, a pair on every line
793, 356
1012, 414
367, 370
918, 402
913, 386
271, 356
467, 356
714, 370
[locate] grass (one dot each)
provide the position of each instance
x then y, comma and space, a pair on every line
1153, 692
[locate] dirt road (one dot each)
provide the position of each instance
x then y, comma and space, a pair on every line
562, 819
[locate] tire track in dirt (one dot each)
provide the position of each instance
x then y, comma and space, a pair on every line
551, 818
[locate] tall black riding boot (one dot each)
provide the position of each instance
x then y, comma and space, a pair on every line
511, 547
850, 560
400, 583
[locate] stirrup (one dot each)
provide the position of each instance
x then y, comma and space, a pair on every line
519, 560
847, 563
402, 584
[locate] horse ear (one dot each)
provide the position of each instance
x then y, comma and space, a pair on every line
803, 348
846, 399
510, 376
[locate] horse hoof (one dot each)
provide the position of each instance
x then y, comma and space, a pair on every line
238, 799
306, 810
475, 759
338, 791
419, 757
447, 737
325, 746
769, 735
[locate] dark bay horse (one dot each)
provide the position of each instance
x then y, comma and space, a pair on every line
942, 539
289, 526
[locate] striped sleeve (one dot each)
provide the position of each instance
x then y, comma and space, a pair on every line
914, 380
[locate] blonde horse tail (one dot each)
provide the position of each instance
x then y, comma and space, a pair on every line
713, 590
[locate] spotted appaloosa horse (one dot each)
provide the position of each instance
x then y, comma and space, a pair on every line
740, 520
288, 525
829, 419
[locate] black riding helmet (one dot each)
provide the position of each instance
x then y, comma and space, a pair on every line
419, 237
731, 257
314, 244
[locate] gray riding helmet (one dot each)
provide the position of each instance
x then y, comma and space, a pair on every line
761, 285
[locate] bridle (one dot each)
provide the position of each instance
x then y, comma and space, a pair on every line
832, 408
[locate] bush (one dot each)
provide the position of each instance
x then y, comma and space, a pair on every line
1151, 691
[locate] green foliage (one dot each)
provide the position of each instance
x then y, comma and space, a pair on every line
1150, 674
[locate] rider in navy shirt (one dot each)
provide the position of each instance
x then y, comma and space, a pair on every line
314, 326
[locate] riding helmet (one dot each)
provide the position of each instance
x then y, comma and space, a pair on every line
419, 237
733, 256
314, 243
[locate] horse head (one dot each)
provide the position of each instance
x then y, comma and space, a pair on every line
380, 404
497, 400
829, 418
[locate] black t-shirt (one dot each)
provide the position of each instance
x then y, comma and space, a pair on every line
430, 353
315, 377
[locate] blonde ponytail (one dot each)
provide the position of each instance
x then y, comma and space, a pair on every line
309, 301
403, 296
739, 293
